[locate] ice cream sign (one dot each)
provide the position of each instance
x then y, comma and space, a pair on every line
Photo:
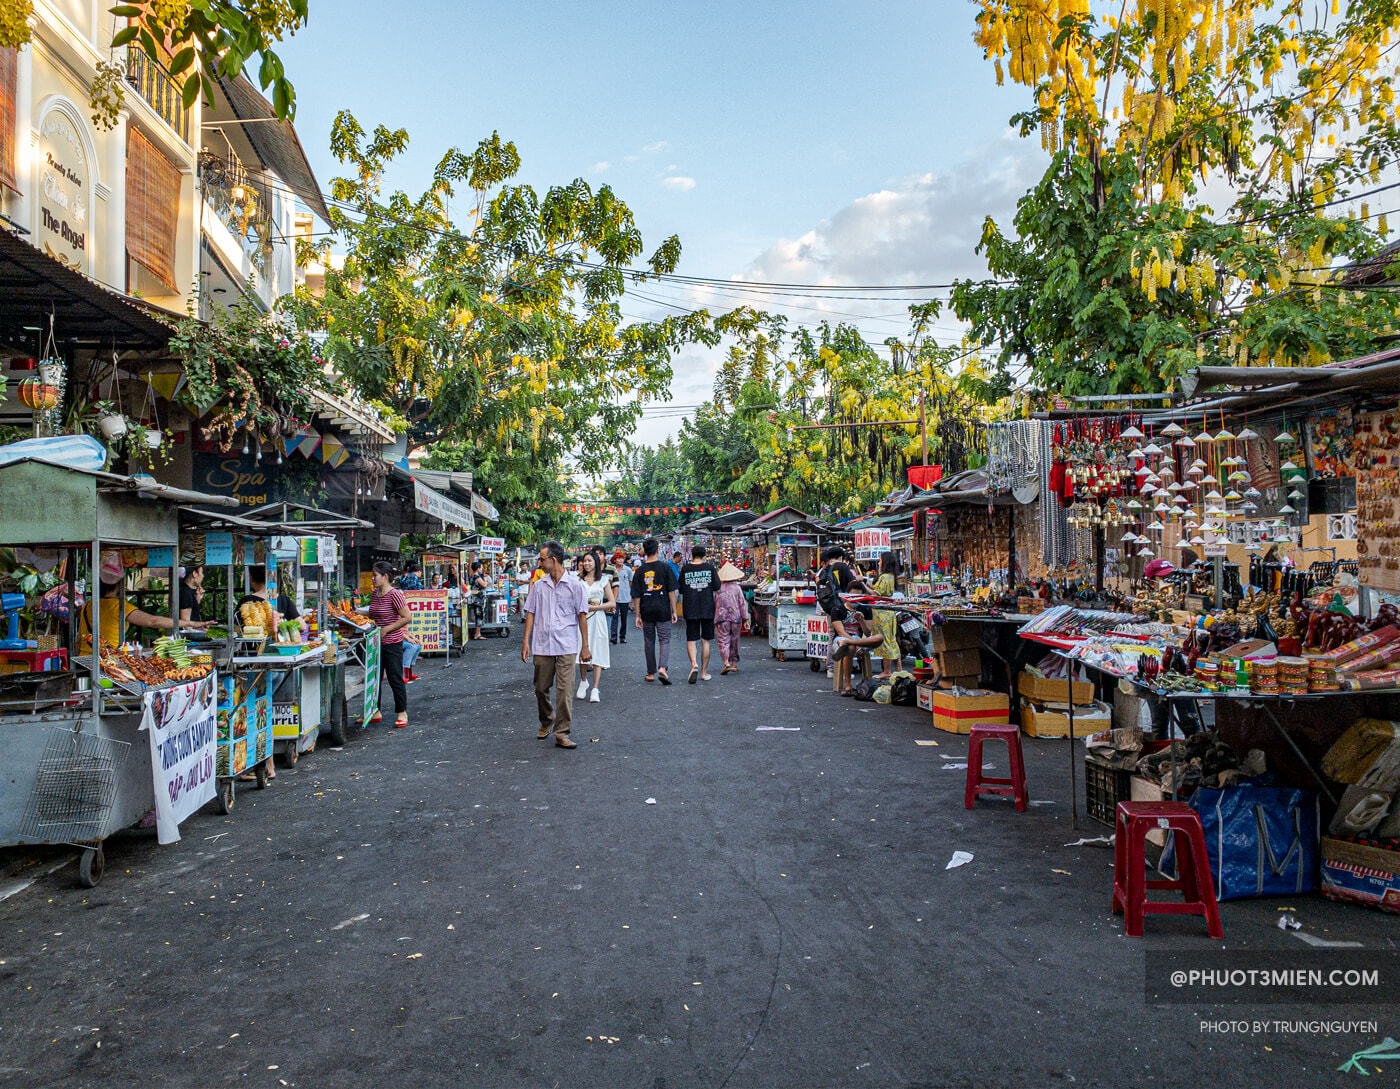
63, 192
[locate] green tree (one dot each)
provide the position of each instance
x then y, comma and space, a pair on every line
1120, 274
650, 475
503, 334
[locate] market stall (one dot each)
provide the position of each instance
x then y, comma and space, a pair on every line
284, 678
75, 766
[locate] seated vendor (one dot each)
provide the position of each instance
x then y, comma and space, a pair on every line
114, 611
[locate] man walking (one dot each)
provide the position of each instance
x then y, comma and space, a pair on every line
556, 633
654, 591
622, 574
699, 583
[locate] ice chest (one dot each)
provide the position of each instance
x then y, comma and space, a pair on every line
1093, 718
1361, 873
958, 714
1045, 690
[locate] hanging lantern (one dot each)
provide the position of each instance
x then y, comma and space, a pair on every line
37, 394
1173, 429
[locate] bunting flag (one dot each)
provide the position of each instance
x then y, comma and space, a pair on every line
306, 441
333, 452
168, 384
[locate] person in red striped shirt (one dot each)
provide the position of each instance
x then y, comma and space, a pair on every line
389, 609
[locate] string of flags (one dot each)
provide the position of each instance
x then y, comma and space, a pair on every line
595, 509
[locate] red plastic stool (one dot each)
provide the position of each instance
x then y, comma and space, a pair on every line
1130, 884
977, 783
36, 661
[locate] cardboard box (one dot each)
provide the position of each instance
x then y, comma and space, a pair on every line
958, 714
1361, 873
960, 663
1045, 722
956, 635
967, 680
926, 692
1141, 789
1045, 690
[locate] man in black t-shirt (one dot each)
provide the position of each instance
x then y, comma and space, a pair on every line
699, 583
654, 596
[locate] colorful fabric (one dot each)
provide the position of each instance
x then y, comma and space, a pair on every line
883, 621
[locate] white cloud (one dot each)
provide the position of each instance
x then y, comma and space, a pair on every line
680, 182
656, 148
600, 167
918, 230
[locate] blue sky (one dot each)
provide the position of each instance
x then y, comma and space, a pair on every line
818, 142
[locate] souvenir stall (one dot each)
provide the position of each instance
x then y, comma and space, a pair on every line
77, 766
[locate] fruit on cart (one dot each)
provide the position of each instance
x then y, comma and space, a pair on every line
257, 614
217, 632
174, 649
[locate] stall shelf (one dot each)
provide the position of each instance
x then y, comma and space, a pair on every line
74, 765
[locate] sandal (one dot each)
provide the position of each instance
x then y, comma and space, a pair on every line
246, 777
848, 692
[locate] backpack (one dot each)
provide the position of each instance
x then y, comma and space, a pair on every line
827, 595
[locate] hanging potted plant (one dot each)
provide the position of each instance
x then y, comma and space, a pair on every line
110, 421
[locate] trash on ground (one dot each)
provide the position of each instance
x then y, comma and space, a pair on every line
923, 741
651, 801
960, 858
1096, 841
1288, 922
1065, 872
757, 728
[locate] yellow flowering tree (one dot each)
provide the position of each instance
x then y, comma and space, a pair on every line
1155, 112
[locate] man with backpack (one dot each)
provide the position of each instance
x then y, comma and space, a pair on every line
835, 578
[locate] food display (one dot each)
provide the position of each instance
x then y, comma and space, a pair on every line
257, 619
170, 663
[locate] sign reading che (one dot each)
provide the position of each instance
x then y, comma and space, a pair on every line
64, 192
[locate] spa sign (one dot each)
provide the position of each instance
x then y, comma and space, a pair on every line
65, 197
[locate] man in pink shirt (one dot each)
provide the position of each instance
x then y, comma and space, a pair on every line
556, 634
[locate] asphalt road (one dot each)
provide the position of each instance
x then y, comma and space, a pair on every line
683, 900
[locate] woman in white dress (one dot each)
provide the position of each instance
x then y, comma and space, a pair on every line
602, 600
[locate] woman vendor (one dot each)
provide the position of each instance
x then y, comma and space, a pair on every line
116, 614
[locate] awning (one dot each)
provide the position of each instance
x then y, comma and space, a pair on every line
33, 286
275, 141
437, 505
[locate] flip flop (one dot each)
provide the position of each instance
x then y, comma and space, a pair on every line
706, 677
649, 678
694, 676
849, 692
663, 678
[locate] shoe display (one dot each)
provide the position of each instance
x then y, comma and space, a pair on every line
593, 697
582, 690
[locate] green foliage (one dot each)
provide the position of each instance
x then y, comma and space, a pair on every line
527, 490
199, 41
505, 335
1120, 275
253, 367
649, 474
766, 435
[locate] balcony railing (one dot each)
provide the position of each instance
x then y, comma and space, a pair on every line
155, 85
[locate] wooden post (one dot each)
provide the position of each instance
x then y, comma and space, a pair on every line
923, 429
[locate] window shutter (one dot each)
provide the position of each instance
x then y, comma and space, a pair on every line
9, 64
152, 207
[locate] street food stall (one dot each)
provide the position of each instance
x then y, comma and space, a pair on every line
73, 765
791, 544
284, 670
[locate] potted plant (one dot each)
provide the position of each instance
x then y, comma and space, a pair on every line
110, 422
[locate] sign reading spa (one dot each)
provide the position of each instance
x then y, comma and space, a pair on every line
65, 196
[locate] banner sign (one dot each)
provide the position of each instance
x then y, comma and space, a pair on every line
218, 549
373, 668
442, 508
870, 543
493, 546
183, 729
818, 637
427, 625
797, 540
482, 506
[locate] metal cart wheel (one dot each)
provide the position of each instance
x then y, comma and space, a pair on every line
288, 756
814, 665
337, 724
91, 865
260, 774
225, 796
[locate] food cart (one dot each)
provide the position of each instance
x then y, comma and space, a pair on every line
278, 693
74, 767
